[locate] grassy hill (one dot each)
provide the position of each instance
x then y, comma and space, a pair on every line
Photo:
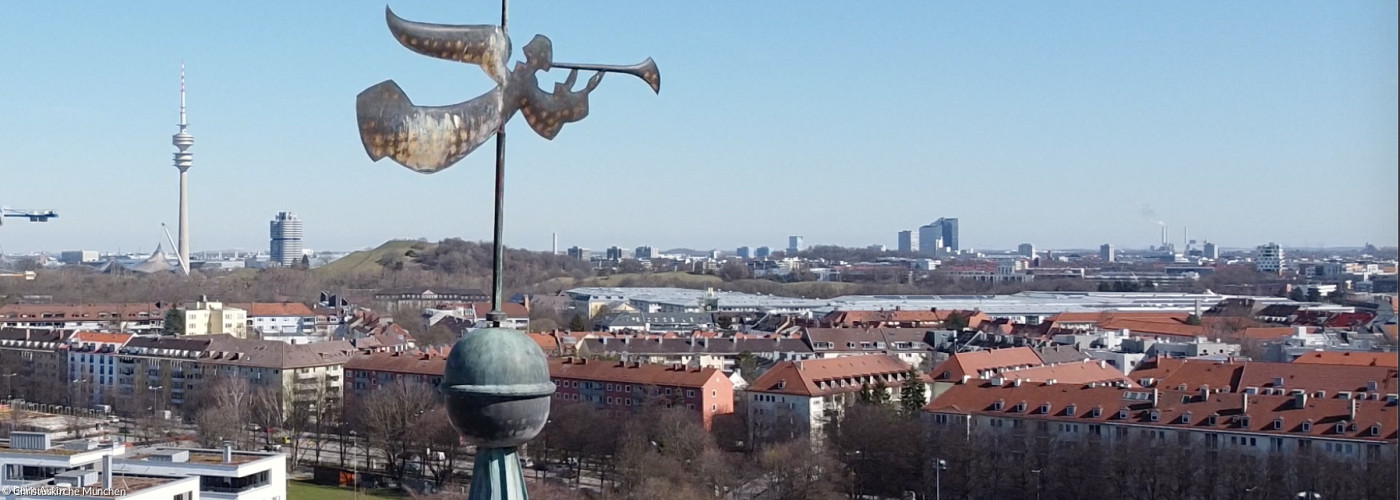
368, 261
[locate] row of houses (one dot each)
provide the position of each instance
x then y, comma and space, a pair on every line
201, 317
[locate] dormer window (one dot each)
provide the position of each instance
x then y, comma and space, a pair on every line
1244, 421
1375, 429
1155, 416
1045, 408
1341, 427
1278, 423
1096, 412
1069, 410
1122, 414
1213, 419
997, 405
1186, 417
1020, 407
1307, 426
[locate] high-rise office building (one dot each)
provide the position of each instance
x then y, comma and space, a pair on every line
642, 253
1106, 253
762, 252
908, 241
1210, 251
1269, 258
794, 244
939, 236
744, 253
614, 253
579, 253
285, 231
1026, 249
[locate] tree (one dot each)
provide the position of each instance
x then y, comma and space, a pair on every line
876, 395
796, 470
733, 270
390, 418
1297, 294
579, 323
747, 364
174, 322
956, 321
912, 397
1193, 320
305, 262
1314, 295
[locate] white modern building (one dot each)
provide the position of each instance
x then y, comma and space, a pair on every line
1269, 258
33, 466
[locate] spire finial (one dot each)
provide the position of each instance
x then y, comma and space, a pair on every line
183, 124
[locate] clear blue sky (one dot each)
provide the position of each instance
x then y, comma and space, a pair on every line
1064, 124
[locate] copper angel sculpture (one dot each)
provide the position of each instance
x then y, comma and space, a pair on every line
429, 139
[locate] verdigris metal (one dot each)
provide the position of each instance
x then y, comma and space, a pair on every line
497, 388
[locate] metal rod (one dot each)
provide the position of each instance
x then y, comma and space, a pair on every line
497, 313
498, 261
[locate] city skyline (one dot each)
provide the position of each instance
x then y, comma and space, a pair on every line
1224, 111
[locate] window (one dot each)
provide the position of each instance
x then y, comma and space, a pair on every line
1277, 443
1307, 426
1069, 410
1278, 423
1122, 414
1156, 415
610, 388
690, 393
940, 419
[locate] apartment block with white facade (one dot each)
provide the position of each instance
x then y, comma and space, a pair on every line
213, 318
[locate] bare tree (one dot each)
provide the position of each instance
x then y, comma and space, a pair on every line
797, 470
390, 416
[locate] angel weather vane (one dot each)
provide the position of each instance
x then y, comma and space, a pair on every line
496, 381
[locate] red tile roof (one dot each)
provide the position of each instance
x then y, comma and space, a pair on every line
1071, 373
1169, 373
409, 362
547, 342
633, 373
974, 363
1145, 327
82, 311
101, 338
818, 377
1388, 359
1313, 377
981, 398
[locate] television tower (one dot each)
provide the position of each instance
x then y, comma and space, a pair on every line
183, 161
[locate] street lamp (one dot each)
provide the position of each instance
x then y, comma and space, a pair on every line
1037, 482
1310, 495
939, 465
354, 465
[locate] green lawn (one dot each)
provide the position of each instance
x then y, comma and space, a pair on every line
307, 491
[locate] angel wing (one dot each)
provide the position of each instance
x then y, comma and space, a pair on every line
425, 139
484, 45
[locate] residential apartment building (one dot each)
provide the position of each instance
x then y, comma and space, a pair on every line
630, 386
465, 317
909, 345
367, 372
35, 460
214, 318
34, 364
798, 398
417, 299
1212, 418
138, 318
290, 322
701, 352
90, 370
160, 374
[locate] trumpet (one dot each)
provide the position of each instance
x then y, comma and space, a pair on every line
646, 70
